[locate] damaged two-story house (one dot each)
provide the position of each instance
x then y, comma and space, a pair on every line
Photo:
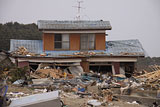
84, 43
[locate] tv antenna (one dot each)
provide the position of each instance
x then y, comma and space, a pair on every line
78, 16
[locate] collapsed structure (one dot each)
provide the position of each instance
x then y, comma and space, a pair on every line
66, 50
72, 43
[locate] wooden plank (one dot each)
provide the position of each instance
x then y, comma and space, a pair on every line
116, 67
85, 66
74, 41
100, 41
48, 42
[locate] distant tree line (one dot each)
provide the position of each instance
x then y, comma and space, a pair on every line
15, 30
145, 63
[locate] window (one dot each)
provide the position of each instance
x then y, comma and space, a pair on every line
87, 41
61, 41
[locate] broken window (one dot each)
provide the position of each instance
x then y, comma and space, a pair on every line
87, 41
61, 41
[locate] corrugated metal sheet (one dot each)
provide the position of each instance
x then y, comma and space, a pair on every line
115, 48
119, 47
34, 46
78, 25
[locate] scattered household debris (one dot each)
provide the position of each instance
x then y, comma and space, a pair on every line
94, 103
22, 51
44, 73
76, 70
150, 80
43, 81
38, 100
5, 63
98, 89
84, 53
18, 82
16, 94
88, 53
125, 53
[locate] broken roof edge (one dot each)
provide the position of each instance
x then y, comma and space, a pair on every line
121, 48
79, 56
134, 43
73, 25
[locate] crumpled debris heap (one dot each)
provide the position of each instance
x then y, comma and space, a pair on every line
22, 51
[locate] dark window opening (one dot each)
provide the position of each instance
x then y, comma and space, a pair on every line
58, 45
128, 68
58, 37
33, 66
101, 69
58, 41
61, 41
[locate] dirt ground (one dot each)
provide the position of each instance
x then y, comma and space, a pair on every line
25, 90
82, 102
72, 100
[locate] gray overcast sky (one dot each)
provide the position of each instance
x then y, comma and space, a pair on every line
130, 19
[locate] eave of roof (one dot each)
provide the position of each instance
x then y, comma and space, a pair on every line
73, 25
121, 48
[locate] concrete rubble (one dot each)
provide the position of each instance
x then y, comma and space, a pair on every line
38, 100
97, 89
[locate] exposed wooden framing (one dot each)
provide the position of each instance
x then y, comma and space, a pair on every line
100, 64
16, 61
120, 59
85, 66
116, 67
57, 64
49, 60
113, 70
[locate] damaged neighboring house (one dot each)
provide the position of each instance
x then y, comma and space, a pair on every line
5, 61
72, 43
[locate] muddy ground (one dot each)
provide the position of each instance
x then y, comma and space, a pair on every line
71, 99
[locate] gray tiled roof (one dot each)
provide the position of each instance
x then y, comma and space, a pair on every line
115, 48
73, 25
122, 47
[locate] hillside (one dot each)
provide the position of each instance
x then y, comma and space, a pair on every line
16, 30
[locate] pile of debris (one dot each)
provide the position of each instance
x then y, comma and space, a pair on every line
23, 51
54, 73
126, 53
46, 71
84, 53
88, 53
150, 80
98, 89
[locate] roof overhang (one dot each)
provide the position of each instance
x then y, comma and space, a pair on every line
73, 25
73, 31
77, 59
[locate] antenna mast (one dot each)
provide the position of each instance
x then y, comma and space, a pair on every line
78, 16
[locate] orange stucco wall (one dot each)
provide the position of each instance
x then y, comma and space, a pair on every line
74, 41
100, 42
48, 41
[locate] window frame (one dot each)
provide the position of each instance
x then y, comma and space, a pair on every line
88, 42
62, 41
